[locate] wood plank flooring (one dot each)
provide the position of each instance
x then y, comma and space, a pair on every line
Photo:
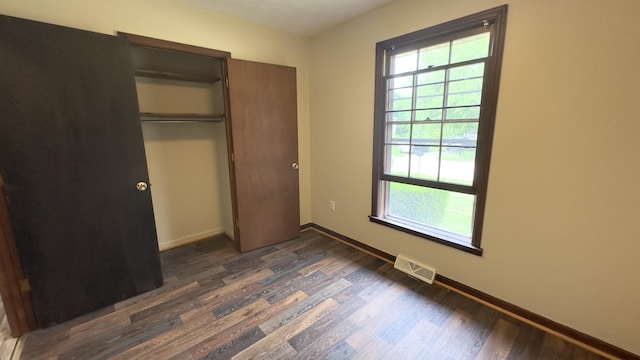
309, 298
7, 342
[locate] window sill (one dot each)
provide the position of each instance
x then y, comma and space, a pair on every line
466, 247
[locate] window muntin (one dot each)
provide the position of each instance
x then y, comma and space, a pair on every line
435, 108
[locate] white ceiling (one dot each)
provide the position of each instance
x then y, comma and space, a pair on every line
303, 17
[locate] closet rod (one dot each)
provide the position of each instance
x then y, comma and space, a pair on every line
182, 121
173, 117
176, 76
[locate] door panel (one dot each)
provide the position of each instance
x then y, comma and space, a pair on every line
265, 145
71, 153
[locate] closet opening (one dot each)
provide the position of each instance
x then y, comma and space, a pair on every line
183, 112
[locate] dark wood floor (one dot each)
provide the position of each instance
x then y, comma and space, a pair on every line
310, 298
7, 342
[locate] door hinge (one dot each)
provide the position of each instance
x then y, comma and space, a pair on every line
226, 82
25, 286
233, 158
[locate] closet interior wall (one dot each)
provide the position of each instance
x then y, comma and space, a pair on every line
181, 101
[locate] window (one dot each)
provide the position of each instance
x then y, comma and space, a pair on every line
435, 105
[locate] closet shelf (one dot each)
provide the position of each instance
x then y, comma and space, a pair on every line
180, 117
176, 76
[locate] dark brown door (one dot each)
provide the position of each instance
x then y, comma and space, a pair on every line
71, 153
265, 148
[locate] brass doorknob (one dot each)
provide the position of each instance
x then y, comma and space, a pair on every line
142, 186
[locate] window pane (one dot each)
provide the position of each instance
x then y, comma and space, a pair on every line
396, 160
446, 210
457, 165
432, 56
430, 96
423, 115
469, 48
400, 82
465, 113
431, 77
464, 92
398, 133
404, 62
460, 134
425, 162
426, 134
399, 116
467, 71
400, 99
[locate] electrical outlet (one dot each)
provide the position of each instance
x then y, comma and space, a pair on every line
332, 205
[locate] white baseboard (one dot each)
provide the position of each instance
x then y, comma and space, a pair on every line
166, 245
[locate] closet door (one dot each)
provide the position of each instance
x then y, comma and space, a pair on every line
71, 154
265, 147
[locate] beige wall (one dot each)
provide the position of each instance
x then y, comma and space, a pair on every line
189, 188
181, 22
561, 233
